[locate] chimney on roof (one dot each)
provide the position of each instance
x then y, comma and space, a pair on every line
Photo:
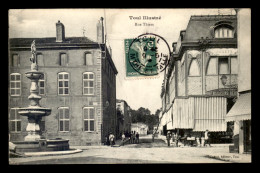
174, 45
100, 31
182, 34
60, 32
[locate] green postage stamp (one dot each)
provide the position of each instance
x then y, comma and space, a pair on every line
144, 56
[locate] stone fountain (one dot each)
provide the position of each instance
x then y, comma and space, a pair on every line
34, 142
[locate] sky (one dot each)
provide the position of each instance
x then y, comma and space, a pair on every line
137, 92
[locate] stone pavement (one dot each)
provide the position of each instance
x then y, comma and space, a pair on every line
223, 155
145, 152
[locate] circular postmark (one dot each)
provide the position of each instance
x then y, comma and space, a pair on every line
149, 54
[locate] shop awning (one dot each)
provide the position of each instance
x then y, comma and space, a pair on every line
200, 114
170, 122
241, 109
183, 113
210, 114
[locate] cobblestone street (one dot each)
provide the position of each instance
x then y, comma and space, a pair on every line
145, 152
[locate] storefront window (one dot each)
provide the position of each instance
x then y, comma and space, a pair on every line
212, 66
223, 65
194, 68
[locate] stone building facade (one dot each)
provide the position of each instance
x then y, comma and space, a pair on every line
240, 113
200, 83
123, 116
79, 85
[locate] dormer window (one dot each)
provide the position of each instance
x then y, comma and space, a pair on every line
224, 32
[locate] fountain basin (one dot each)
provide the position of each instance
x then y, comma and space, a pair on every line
33, 74
42, 145
36, 111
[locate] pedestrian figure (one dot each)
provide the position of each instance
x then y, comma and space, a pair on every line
198, 141
207, 139
111, 139
175, 139
130, 138
123, 139
134, 137
137, 138
168, 137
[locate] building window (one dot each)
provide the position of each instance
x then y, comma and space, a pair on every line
212, 66
223, 32
63, 59
63, 83
64, 119
223, 65
89, 118
15, 120
40, 60
42, 85
88, 83
15, 84
194, 68
234, 65
15, 60
88, 59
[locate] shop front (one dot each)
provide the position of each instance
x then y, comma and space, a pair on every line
192, 116
240, 114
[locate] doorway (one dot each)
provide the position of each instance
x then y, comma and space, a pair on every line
247, 135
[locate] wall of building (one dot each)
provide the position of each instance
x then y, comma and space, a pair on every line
180, 79
124, 125
172, 86
75, 100
108, 94
244, 49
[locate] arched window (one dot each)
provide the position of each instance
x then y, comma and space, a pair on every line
64, 119
88, 83
223, 32
40, 60
15, 84
63, 59
15, 60
42, 85
89, 119
15, 120
88, 59
63, 83
212, 66
194, 68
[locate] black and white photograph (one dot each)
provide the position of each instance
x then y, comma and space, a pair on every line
129, 86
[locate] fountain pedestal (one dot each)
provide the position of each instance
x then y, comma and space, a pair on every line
34, 112
33, 142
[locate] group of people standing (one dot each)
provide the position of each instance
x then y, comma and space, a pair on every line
176, 138
110, 139
133, 137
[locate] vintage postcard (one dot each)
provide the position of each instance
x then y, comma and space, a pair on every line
132, 86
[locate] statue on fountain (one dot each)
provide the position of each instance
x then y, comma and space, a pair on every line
35, 141
34, 66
